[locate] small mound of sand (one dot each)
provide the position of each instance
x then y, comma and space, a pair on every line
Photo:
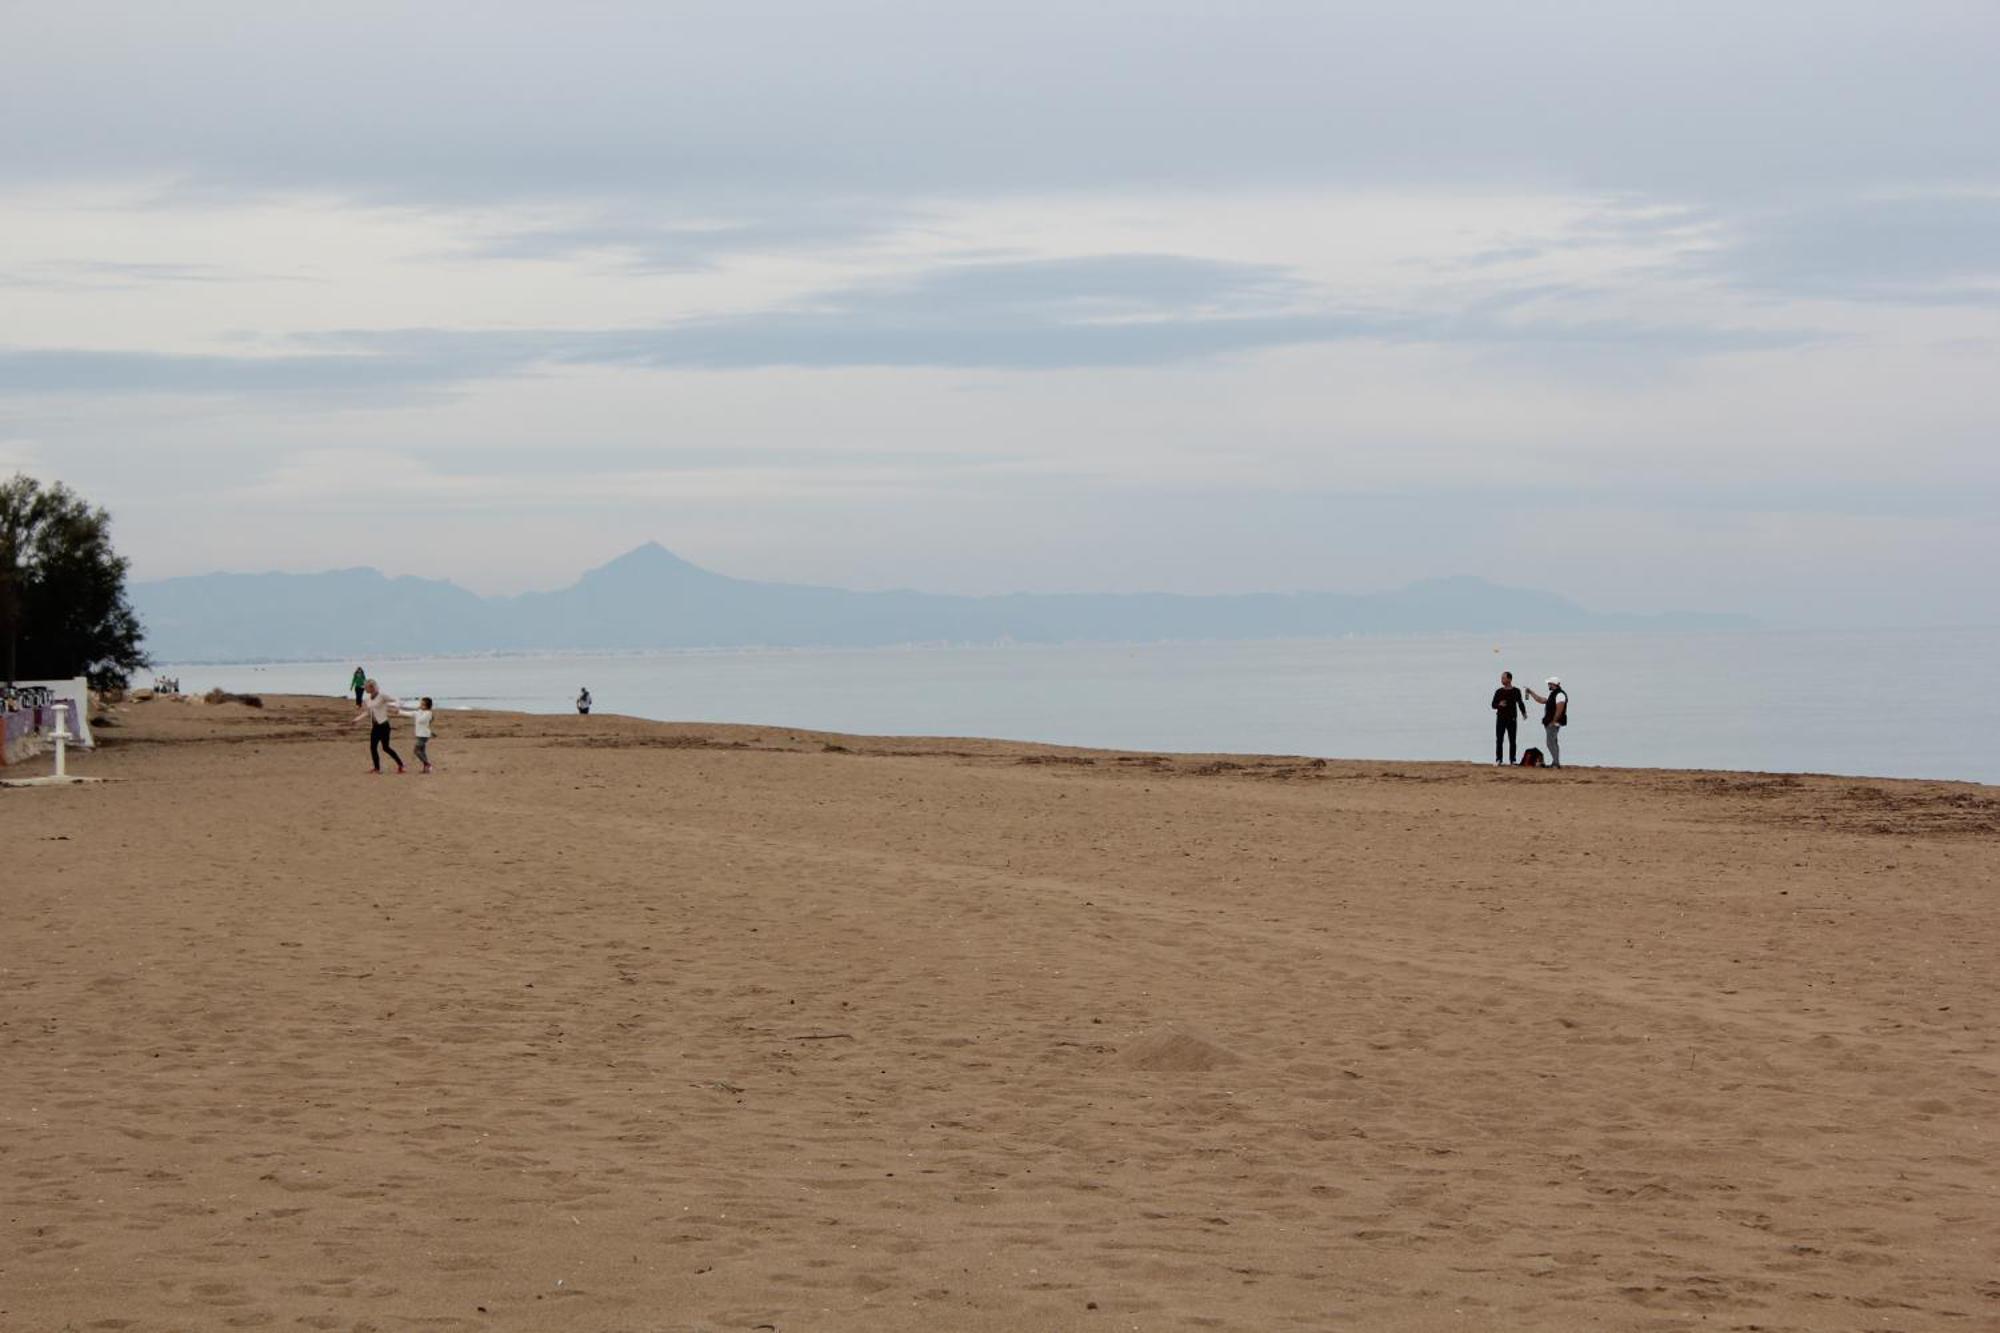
221, 696
1177, 1052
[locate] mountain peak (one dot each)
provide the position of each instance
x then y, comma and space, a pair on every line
649, 558
648, 551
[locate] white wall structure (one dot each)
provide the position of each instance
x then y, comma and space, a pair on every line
24, 731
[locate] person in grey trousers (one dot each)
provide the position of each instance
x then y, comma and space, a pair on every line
1555, 716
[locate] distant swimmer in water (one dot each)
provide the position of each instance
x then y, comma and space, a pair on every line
583, 701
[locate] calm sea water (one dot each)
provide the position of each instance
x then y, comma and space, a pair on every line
1897, 704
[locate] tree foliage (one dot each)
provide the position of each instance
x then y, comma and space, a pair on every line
63, 610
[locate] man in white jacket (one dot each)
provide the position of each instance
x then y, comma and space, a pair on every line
1555, 716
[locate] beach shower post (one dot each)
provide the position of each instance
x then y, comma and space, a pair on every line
61, 708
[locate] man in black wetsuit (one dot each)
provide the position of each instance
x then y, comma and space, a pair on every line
1508, 710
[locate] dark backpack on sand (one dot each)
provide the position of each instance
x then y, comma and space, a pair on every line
1532, 759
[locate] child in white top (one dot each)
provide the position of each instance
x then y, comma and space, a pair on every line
422, 718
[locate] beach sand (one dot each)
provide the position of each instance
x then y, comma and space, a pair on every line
635, 1026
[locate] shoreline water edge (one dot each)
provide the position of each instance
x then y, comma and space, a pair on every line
1882, 704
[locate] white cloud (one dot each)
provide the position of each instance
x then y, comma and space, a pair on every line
1116, 295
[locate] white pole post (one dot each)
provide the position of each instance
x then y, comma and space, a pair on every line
62, 738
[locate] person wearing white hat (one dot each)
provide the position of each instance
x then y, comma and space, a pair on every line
1555, 716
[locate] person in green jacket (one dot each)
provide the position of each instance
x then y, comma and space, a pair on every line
358, 684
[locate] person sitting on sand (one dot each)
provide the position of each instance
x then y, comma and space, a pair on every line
1508, 710
378, 706
360, 679
583, 701
1555, 716
422, 719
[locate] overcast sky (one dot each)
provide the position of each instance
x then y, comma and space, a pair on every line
1664, 305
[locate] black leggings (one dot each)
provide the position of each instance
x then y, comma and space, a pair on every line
1504, 725
378, 737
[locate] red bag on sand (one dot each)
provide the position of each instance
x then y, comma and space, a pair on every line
1532, 759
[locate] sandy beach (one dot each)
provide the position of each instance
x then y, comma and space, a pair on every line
634, 1026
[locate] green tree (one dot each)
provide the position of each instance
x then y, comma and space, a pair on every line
62, 589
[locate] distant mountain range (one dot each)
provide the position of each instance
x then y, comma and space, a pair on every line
651, 598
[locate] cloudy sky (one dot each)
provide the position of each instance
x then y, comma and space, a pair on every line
1665, 305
